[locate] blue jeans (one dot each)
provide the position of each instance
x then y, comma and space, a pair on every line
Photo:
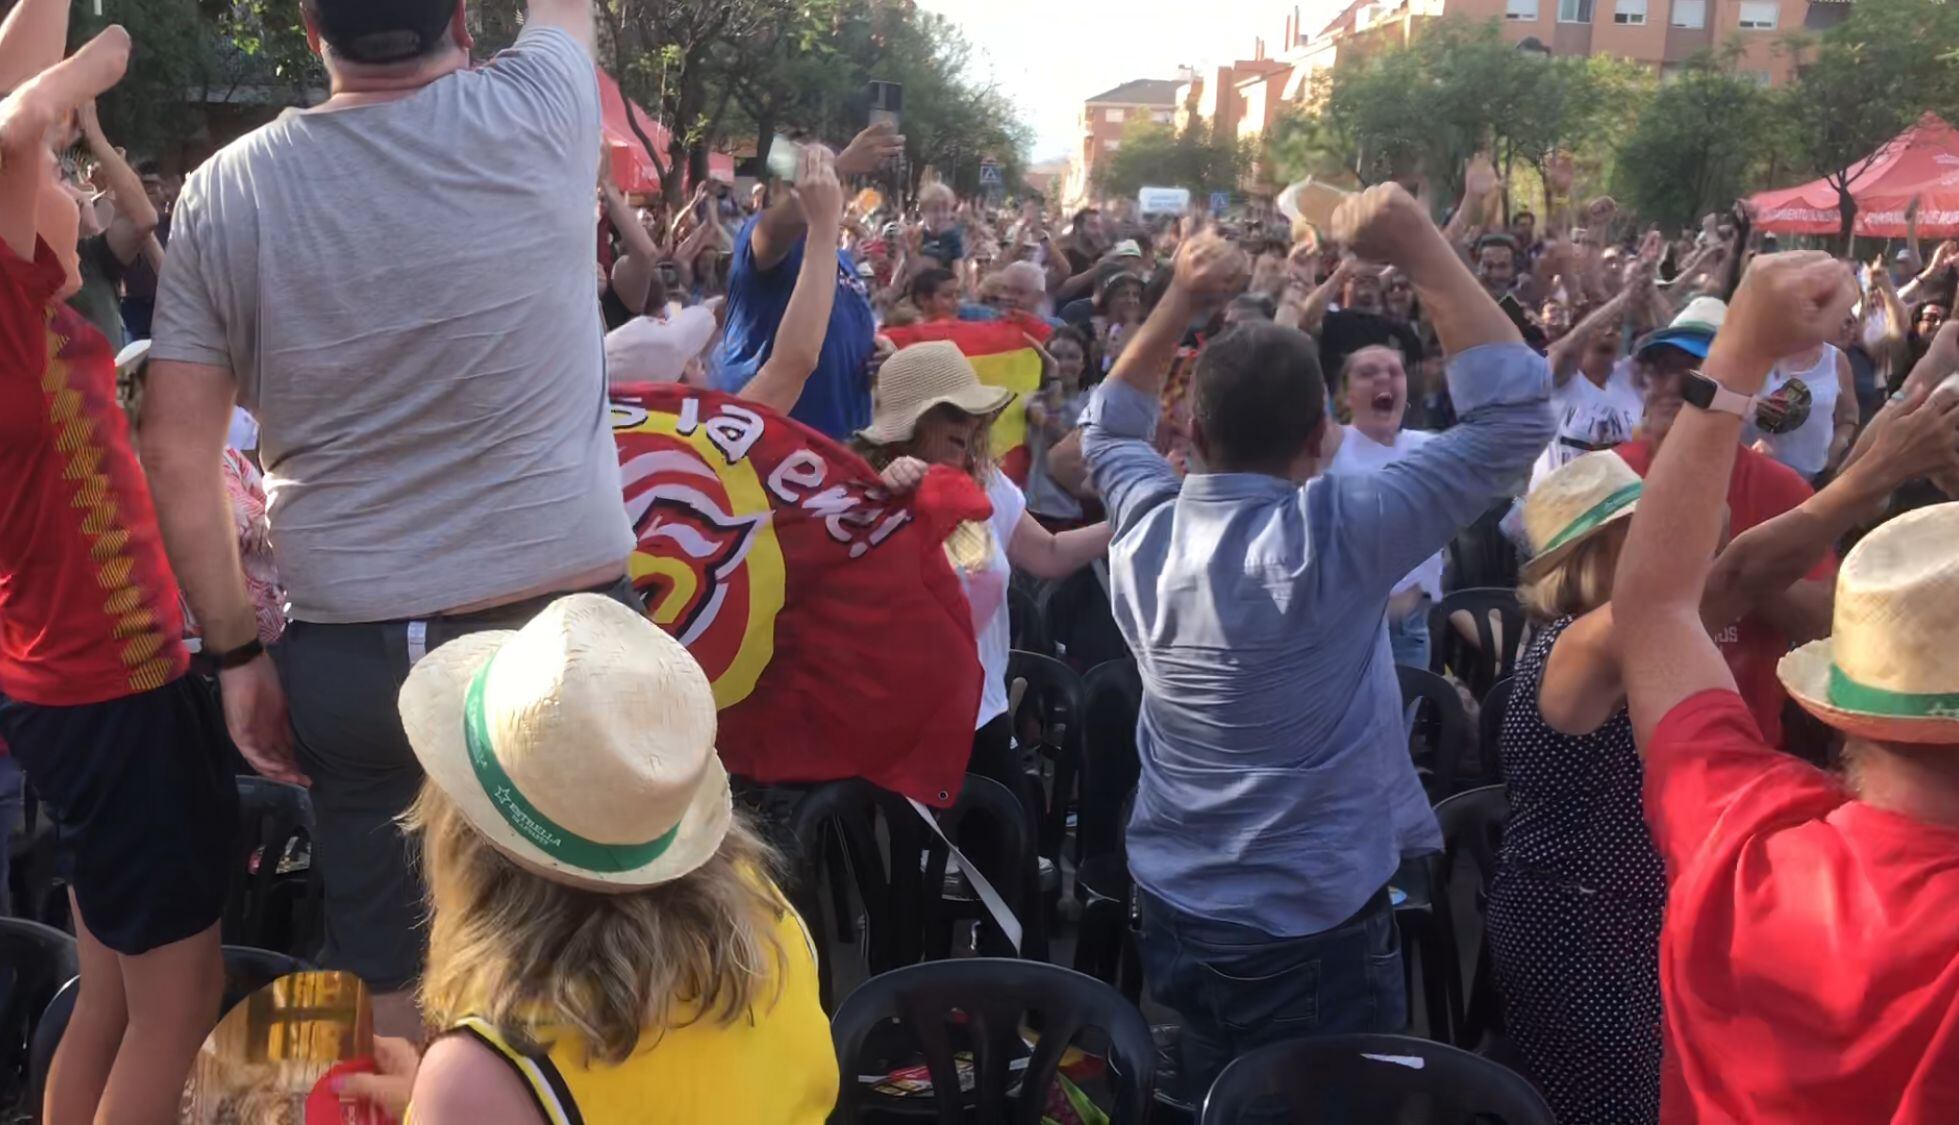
1238, 988
1408, 638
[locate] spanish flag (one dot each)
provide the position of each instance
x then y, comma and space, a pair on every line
1002, 354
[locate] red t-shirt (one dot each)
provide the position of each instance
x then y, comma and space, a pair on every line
88, 606
1759, 489
1809, 962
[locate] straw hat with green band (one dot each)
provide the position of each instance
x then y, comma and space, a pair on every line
1886, 672
1574, 502
581, 746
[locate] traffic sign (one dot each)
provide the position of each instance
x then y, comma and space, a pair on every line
990, 174
1220, 200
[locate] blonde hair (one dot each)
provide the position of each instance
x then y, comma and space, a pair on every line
970, 546
532, 956
1580, 583
936, 192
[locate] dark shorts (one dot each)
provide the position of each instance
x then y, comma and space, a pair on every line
143, 804
342, 683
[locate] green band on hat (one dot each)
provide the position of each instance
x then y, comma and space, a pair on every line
1595, 515
1849, 695
547, 835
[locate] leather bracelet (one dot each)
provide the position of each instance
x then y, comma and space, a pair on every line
239, 657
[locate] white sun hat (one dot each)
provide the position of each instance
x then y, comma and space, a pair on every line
1887, 670
1574, 502
581, 746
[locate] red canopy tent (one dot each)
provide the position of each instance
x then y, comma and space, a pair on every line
632, 169
1922, 161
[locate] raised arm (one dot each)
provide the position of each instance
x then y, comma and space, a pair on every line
574, 17
1785, 304
32, 38
40, 103
1312, 311
1208, 269
1479, 183
136, 216
1568, 349
799, 338
1385, 224
784, 223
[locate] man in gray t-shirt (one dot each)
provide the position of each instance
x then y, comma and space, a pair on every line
399, 285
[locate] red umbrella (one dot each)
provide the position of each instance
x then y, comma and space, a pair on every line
1922, 161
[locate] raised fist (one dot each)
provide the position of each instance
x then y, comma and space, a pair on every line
1210, 266
1786, 304
1380, 224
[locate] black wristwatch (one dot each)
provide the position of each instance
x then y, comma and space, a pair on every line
239, 657
1704, 393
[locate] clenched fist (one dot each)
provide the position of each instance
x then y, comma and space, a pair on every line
1382, 224
1211, 267
1786, 304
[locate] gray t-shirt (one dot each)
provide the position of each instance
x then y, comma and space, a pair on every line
406, 294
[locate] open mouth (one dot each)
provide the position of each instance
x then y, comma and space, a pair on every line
1384, 402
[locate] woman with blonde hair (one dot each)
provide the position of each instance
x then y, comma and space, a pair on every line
606, 941
1579, 890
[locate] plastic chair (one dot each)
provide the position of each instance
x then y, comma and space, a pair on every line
1497, 622
1080, 625
1366, 1078
1440, 738
1472, 829
1105, 948
35, 885
1025, 629
1481, 555
1489, 729
1006, 858
35, 961
833, 837
995, 997
1050, 718
264, 908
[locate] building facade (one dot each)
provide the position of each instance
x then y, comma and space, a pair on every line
1105, 117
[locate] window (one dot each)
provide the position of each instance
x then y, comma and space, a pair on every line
1690, 13
1520, 10
1574, 11
1161, 116
1759, 15
1114, 115
1111, 145
1631, 12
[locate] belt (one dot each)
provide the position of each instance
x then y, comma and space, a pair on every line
524, 610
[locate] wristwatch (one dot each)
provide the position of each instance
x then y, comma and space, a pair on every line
1700, 391
239, 657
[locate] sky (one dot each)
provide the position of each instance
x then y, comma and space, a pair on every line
1052, 55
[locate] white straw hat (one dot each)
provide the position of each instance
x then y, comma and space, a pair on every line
581, 746
1572, 503
920, 377
1887, 671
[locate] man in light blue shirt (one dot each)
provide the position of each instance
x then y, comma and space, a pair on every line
1276, 796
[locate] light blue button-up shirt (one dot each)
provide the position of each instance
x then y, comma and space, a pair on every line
1276, 788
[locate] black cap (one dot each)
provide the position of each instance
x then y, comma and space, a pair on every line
382, 31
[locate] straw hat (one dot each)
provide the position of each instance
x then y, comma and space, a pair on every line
1578, 499
920, 377
1887, 671
581, 746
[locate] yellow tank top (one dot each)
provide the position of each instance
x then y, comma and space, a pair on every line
775, 1066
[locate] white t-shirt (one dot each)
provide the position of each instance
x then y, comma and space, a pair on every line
1591, 417
1806, 448
650, 349
986, 592
1359, 454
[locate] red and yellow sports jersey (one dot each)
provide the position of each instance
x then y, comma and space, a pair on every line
88, 606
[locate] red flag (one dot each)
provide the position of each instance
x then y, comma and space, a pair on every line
1004, 354
824, 611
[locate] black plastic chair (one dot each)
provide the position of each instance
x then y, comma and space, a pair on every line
1347, 1079
990, 816
35, 961
1050, 719
1481, 555
1472, 830
1105, 947
35, 886
1489, 730
1025, 629
832, 838
995, 997
267, 909
1441, 736
1080, 625
1496, 620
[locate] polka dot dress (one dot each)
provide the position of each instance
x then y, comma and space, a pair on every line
1575, 909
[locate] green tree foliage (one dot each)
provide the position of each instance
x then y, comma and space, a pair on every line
1155, 155
1695, 144
1863, 82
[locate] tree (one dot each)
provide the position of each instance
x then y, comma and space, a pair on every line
1155, 155
1865, 81
1695, 144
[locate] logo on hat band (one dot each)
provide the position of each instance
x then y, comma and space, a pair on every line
1849, 695
1594, 516
547, 835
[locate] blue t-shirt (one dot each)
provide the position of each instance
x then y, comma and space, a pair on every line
837, 399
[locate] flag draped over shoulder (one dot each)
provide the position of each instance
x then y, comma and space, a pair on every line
1000, 353
824, 611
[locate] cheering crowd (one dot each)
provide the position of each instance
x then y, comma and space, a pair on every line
372, 480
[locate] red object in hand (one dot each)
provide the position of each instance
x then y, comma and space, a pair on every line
324, 1107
